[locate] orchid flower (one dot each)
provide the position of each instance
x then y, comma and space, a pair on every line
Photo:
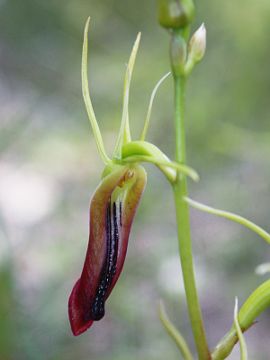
114, 203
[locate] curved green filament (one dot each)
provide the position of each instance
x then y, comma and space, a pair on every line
174, 333
148, 115
87, 99
124, 132
231, 216
242, 342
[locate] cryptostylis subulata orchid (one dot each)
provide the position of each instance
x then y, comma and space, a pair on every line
113, 204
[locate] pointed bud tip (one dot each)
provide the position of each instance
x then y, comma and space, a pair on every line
201, 33
197, 45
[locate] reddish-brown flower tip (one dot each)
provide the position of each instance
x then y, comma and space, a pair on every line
112, 210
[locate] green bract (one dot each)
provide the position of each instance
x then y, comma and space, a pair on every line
256, 303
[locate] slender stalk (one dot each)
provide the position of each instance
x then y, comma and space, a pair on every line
183, 226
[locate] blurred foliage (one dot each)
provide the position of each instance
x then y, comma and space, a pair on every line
49, 167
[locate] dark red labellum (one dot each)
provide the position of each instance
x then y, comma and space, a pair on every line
112, 210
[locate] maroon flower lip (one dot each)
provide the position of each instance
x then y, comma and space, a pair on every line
112, 210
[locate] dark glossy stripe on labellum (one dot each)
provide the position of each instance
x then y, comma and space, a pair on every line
111, 216
109, 267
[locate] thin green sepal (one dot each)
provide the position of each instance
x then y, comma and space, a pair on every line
87, 98
124, 132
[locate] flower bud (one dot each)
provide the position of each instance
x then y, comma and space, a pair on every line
196, 49
197, 44
175, 14
178, 54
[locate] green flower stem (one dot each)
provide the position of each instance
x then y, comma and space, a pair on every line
183, 226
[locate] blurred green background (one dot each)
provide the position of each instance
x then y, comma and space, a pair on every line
49, 167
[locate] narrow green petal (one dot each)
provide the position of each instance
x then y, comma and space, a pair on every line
145, 151
169, 168
174, 333
87, 99
124, 132
242, 342
231, 216
148, 115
